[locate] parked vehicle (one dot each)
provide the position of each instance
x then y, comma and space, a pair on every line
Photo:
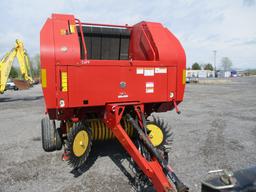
10, 85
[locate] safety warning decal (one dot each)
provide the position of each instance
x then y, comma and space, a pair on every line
149, 72
140, 71
161, 70
149, 87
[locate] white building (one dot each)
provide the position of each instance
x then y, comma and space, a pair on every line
199, 73
224, 74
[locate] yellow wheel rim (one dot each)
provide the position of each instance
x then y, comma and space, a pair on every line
80, 143
156, 135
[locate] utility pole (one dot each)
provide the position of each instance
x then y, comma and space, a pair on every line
214, 55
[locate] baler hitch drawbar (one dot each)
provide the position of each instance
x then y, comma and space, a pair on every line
157, 170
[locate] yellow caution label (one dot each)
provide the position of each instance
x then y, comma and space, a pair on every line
184, 77
64, 81
43, 78
72, 28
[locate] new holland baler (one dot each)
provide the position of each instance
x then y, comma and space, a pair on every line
103, 81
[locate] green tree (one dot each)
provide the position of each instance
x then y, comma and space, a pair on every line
226, 63
208, 67
13, 73
196, 66
35, 61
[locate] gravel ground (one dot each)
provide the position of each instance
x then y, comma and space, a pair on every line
216, 129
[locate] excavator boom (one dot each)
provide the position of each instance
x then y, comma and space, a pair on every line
25, 69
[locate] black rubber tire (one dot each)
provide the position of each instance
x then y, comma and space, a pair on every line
51, 139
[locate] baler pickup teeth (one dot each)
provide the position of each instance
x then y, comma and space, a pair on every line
79, 144
154, 152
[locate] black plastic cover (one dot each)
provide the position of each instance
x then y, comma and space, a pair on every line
105, 43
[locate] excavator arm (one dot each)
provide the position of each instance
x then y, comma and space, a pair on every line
5, 68
23, 60
7, 61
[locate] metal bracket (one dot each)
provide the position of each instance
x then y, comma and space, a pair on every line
227, 178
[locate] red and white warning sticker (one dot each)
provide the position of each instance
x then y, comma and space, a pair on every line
161, 70
149, 87
140, 71
149, 72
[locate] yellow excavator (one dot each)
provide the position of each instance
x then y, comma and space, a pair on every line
25, 68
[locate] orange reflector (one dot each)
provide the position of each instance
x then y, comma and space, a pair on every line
64, 81
43, 78
184, 77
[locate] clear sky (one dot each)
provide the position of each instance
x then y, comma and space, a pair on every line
228, 26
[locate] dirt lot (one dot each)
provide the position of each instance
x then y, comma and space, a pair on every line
216, 129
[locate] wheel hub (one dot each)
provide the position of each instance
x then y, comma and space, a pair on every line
156, 135
80, 143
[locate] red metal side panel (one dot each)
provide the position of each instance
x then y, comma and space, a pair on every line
102, 84
172, 82
141, 45
181, 66
47, 60
165, 43
93, 83
147, 87
166, 46
60, 94
135, 51
146, 46
67, 51
67, 48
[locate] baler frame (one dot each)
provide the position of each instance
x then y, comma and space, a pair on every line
139, 70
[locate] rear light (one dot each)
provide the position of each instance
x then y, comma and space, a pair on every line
171, 94
62, 103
